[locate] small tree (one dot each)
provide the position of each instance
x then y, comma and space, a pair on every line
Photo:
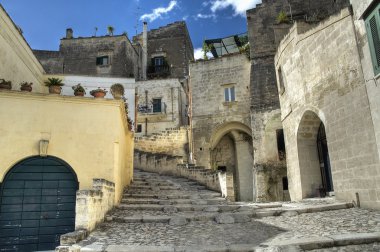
206, 49
110, 30
96, 30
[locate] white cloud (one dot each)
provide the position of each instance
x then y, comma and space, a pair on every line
239, 6
157, 13
204, 16
198, 54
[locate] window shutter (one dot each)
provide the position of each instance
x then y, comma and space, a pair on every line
373, 32
232, 93
226, 95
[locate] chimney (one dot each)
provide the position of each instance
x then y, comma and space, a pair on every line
145, 50
69, 33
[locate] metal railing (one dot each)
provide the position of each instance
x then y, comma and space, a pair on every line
151, 108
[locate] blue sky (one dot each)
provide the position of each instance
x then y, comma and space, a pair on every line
44, 22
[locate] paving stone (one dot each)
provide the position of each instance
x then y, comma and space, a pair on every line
178, 221
224, 219
211, 209
289, 213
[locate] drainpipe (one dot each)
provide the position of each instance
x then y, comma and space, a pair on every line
145, 50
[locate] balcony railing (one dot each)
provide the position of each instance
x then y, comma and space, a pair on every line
161, 71
157, 108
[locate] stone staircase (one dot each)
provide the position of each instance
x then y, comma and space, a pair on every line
163, 213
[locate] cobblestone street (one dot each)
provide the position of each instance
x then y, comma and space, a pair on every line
162, 213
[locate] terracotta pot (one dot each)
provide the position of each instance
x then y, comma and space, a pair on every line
99, 94
26, 88
55, 89
78, 93
5, 86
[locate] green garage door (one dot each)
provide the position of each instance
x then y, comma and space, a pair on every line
37, 204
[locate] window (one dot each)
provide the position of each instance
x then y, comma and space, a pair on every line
102, 61
139, 128
159, 61
229, 94
281, 144
156, 105
372, 24
281, 80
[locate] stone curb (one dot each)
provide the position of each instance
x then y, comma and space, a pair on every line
329, 241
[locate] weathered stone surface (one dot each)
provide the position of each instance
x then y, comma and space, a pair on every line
211, 209
224, 219
289, 213
178, 221
170, 209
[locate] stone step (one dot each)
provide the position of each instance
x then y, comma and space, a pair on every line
214, 201
171, 196
220, 218
185, 207
152, 187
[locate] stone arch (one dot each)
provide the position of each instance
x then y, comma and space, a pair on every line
225, 128
313, 158
232, 143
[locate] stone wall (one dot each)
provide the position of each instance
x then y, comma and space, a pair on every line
210, 111
173, 110
52, 61
92, 205
17, 62
173, 42
173, 141
323, 83
372, 81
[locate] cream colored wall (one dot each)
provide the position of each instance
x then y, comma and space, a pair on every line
17, 61
87, 133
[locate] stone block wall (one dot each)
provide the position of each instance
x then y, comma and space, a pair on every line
329, 87
92, 205
173, 141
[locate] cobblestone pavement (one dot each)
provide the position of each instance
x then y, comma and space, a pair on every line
203, 218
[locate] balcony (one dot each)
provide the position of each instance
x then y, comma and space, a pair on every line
152, 108
158, 71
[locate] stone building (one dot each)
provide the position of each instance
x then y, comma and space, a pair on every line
103, 56
65, 160
327, 79
220, 121
169, 50
265, 33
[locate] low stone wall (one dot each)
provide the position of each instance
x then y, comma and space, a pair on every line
172, 142
92, 205
173, 165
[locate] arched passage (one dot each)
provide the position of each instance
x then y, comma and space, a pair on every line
231, 150
37, 200
314, 162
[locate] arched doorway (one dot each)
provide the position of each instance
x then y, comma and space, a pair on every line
232, 150
37, 200
313, 157
324, 160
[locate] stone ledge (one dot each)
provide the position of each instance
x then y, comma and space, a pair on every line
73, 237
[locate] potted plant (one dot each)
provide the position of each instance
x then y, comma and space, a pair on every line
282, 18
5, 84
117, 91
26, 86
98, 93
79, 90
55, 85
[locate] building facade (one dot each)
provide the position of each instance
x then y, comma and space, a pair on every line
327, 82
220, 121
65, 160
